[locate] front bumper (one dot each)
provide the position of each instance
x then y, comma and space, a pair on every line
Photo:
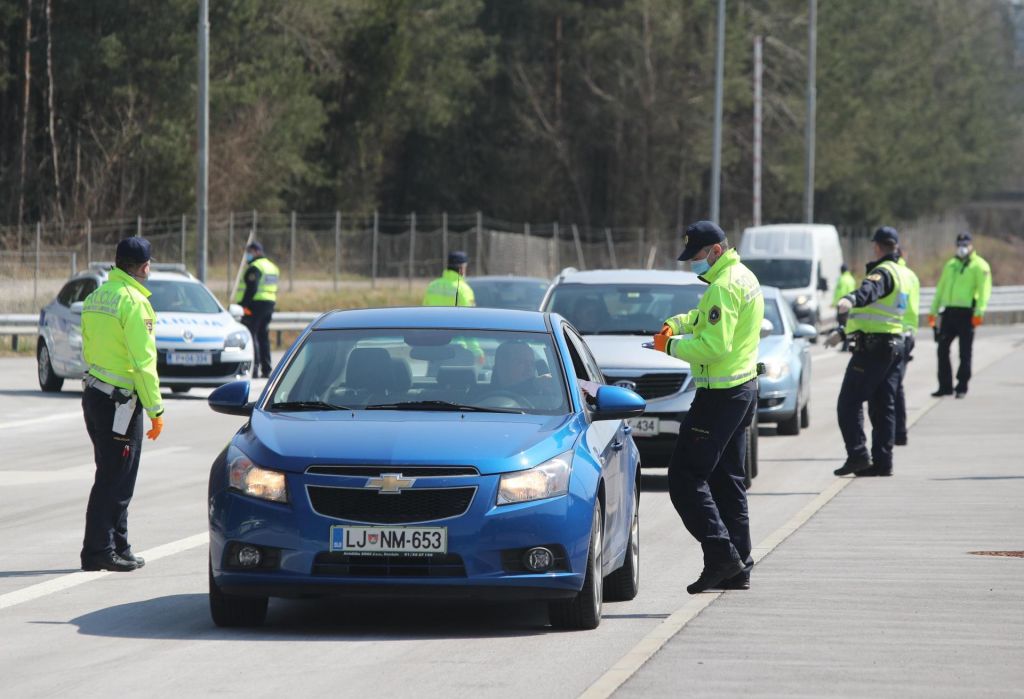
227, 365
777, 399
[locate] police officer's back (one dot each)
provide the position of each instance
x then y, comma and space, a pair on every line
120, 350
257, 295
451, 289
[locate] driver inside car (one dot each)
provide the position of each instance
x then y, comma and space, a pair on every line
515, 371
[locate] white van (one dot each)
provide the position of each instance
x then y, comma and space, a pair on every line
801, 259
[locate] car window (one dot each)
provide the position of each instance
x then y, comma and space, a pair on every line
783, 273
87, 287
588, 376
513, 294
170, 296
790, 316
593, 371
418, 369
771, 313
67, 294
622, 309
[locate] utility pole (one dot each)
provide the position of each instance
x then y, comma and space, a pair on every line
716, 147
758, 73
812, 99
203, 178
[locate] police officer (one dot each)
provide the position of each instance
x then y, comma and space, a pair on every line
451, 289
120, 351
707, 469
873, 318
962, 297
844, 285
257, 294
910, 320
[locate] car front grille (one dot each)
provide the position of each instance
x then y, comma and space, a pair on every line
373, 507
653, 385
343, 565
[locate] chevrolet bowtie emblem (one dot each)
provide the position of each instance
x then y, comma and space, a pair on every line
389, 483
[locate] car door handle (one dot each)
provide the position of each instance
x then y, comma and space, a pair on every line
618, 444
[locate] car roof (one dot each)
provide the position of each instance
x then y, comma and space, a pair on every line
98, 271
459, 317
629, 276
508, 278
792, 227
771, 292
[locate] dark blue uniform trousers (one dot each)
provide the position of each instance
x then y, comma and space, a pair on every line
259, 327
117, 465
956, 325
874, 377
901, 399
706, 474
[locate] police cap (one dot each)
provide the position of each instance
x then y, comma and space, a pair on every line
133, 250
255, 246
457, 257
698, 236
964, 238
886, 234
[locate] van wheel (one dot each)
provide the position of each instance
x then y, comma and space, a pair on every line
235, 610
583, 611
49, 381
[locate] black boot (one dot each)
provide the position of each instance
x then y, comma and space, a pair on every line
712, 576
853, 465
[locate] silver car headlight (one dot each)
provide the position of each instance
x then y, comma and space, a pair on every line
239, 339
549, 479
250, 479
775, 368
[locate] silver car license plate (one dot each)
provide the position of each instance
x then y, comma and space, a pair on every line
645, 426
389, 539
189, 358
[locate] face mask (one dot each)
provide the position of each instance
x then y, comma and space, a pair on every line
702, 266
249, 257
963, 251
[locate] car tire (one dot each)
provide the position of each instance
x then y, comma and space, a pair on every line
180, 389
235, 610
583, 612
624, 584
805, 415
792, 425
49, 381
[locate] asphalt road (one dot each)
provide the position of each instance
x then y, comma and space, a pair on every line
149, 632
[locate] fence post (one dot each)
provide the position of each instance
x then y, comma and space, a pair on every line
291, 256
640, 250
35, 273
184, 233
557, 255
88, 242
611, 248
444, 238
255, 221
373, 263
479, 242
337, 246
138, 227
412, 245
526, 248
579, 247
231, 254
74, 262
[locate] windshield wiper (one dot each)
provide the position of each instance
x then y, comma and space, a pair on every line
439, 405
307, 405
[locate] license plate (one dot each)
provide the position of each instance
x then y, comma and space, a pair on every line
389, 539
645, 426
191, 358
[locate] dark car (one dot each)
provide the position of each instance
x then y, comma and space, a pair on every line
513, 293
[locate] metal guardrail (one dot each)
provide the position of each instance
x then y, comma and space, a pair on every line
1005, 306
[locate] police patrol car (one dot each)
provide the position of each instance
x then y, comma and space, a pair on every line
198, 342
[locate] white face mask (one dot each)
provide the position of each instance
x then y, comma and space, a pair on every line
963, 251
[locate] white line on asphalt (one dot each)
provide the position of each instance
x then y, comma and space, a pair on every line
44, 418
64, 582
84, 471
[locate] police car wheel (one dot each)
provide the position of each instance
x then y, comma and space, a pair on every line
624, 584
584, 610
235, 610
48, 379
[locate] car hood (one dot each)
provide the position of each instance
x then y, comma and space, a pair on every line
195, 328
773, 346
625, 352
494, 443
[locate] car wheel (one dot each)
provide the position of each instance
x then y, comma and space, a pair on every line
624, 584
805, 415
235, 610
792, 425
49, 381
584, 610
180, 389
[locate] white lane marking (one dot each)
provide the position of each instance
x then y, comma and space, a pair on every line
34, 420
82, 471
65, 582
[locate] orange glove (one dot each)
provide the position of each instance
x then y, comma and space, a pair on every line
931, 321
661, 339
158, 427
976, 321
247, 311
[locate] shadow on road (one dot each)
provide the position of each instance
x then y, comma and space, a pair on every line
188, 617
36, 393
654, 483
33, 573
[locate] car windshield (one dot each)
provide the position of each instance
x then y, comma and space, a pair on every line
515, 294
623, 309
181, 297
424, 370
785, 274
772, 313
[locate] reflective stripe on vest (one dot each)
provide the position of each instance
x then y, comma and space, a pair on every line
266, 288
706, 382
885, 315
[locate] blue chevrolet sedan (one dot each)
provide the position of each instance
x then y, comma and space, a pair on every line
428, 452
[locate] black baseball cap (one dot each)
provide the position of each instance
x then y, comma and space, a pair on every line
457, 257
134, 250
886, 234
964, 237
698, 236
255, 246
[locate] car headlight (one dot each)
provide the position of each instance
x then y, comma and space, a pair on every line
239, 339
802, 300
547, 480
775, 369
248, 478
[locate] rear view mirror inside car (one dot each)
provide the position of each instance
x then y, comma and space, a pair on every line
428, 338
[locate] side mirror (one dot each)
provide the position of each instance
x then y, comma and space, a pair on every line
617, 403
231, 399
822, 284
767, 328
76, 307
803, 330
236, 311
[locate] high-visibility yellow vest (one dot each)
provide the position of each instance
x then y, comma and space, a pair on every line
450, 289
726, 327
885, 315
964, 284
117, 338
266, 290
912, 317
844, 285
